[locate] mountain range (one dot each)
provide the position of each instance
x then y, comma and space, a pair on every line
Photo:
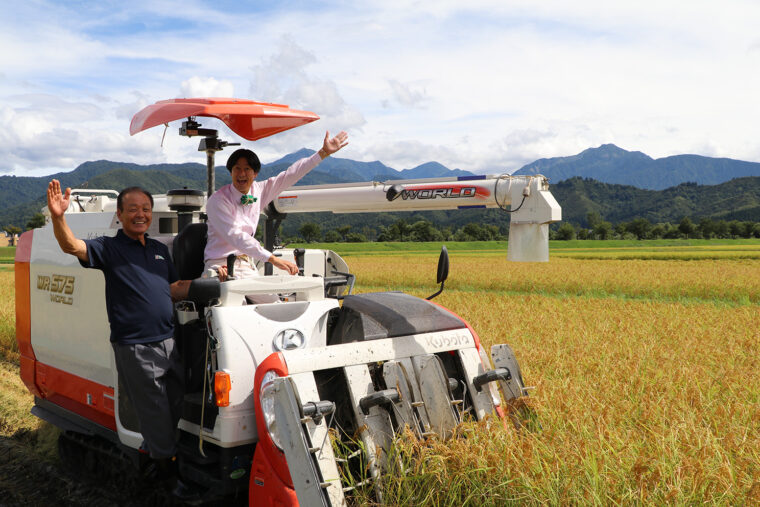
617, 184
611, 164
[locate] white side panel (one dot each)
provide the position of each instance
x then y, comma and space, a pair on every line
245, 337
70, 329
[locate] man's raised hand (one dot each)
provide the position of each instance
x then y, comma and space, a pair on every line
330, 146
57, 202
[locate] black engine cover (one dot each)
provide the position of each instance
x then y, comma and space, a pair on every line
378, 315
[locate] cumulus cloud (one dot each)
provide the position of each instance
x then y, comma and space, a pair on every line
482, 86
284, 77
43, 134
406, 95
206, 87
125, 110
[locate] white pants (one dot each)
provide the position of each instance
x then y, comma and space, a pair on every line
243, 269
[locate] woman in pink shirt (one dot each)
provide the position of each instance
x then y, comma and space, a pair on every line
233, 211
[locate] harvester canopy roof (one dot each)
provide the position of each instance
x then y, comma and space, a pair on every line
248, 119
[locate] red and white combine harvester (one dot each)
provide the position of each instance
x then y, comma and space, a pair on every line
272, 389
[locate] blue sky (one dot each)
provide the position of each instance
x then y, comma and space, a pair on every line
488, 86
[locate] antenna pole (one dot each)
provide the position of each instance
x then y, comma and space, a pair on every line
210, 144
210, 172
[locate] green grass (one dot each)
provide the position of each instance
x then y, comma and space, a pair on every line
663, 249
7, 254
627, 243
403, 248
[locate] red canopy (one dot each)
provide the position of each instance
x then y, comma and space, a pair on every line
250, 120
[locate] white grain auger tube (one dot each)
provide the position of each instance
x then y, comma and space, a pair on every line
533, 207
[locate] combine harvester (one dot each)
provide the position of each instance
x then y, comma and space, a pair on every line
272, 389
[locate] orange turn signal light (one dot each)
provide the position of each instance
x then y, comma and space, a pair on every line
222, 387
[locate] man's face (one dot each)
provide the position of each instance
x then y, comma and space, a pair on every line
242, 176
136, 215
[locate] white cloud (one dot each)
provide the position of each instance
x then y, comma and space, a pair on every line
42, 134
285, 77
206, 87
406, 95
484, 86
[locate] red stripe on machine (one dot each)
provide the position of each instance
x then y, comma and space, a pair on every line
89, 399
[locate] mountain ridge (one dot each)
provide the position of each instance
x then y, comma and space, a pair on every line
609, 163
23, 196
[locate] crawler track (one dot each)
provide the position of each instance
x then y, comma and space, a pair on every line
26, 479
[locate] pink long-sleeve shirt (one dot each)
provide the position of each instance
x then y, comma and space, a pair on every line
231, 225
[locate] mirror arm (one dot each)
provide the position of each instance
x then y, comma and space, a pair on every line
434, 295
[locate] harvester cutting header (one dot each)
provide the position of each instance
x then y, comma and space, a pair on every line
293, 398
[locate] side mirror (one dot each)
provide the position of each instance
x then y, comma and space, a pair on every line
443, 270
443, 265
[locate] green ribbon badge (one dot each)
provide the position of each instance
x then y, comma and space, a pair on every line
247, 199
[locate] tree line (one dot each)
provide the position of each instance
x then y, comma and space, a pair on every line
639, 228
424, 230
37, 220
400, 230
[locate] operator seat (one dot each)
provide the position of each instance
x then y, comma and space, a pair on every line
188, 249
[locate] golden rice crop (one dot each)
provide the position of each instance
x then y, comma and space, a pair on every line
726, 281
8, 347
15, 400
641, 397
645, 372
692, 252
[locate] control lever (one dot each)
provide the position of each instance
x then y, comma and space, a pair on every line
299, 254
231, 266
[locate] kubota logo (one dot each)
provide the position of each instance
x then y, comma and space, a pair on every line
60, 287
444, 192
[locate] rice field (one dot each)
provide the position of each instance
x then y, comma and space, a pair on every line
645, 370
8, 347
646, 376
6, 254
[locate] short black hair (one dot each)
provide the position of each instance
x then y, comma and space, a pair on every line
129, 190
250, 157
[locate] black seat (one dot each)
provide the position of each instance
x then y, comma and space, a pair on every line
188, 249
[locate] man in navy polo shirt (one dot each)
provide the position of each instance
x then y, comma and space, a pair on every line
141, 283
